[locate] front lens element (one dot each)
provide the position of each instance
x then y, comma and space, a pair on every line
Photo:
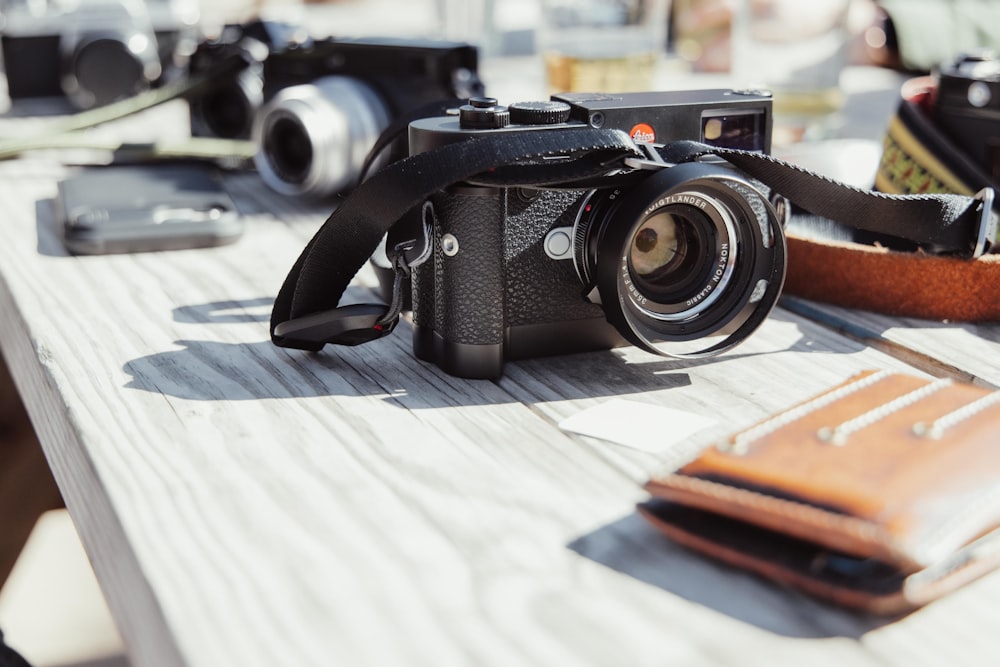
671, 253
227, 111
290, 148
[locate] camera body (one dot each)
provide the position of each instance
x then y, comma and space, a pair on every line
91, 52
227, 110
177, 28
685, 261
315, 107
967, 108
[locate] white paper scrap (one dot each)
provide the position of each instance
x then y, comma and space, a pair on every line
643, 426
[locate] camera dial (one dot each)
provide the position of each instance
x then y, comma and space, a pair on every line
483, 113
548, 112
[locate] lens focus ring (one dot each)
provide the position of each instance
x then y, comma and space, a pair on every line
312, 139
683, 264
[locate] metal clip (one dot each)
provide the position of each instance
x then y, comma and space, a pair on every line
986, 233
653, 160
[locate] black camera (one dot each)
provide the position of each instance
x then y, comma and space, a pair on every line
228, 108
91, 52
967, 108
315, 107
686, 260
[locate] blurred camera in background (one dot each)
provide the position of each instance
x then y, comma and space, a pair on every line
92, 52
316, 106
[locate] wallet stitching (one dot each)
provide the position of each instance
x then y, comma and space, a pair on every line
783, 419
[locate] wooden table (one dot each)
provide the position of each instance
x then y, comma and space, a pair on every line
249, 505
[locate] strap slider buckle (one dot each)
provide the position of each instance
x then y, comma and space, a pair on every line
346, 325
652, 161
986, 230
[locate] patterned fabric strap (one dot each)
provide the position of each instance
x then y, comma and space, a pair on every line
918, 157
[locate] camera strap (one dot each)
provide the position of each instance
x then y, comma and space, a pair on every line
67, 131
306, 314
943, 223
917, 157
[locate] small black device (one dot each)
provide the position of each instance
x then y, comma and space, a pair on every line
315, 107
136, 208
686, 261
967, 108
91, 52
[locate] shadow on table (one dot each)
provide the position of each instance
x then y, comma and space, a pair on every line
633, 547
216, 370
207, 370
226, 312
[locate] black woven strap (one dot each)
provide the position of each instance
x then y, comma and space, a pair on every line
939, 223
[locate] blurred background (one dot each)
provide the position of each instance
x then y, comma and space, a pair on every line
834, 66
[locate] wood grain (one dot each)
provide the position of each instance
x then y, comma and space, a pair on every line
963, 350
248, 505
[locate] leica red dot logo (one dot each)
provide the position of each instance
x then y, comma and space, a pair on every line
642, 132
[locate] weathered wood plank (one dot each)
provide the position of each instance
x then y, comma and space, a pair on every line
248, 505
964, 350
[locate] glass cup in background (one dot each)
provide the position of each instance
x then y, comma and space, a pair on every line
797, 49
700, 33
607, 46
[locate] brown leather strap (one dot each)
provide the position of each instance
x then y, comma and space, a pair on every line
905, 284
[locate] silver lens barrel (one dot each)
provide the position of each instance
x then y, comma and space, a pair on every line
313, 139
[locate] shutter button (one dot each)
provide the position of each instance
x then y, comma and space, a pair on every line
483, 113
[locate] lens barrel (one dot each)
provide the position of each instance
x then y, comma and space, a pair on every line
227, 110
688, 263
104, 66
312, 139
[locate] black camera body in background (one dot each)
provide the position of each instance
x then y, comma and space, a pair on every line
967, 108
316, 106
97, 52
518, 272
227, 110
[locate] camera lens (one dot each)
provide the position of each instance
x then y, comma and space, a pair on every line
290, 149
100, 68
687, 263
312, 139
227, 110
670, 253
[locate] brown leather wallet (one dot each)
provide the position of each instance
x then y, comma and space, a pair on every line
881, 494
